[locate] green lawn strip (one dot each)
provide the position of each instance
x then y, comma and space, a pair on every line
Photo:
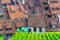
23, 36
50, 35
47, 36
41, 34
58, 35
54, 36
19, 37
37, 36
31, 36
44, 36
16, 37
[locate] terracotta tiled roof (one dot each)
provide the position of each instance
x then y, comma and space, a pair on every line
17, 13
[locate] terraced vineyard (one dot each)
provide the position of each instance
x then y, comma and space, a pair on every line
36, 36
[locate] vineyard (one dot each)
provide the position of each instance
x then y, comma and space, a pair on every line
36, 36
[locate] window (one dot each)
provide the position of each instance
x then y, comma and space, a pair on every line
8, 29
37, 29
40, 29
26, 22
29, 30
43, 29
49, 16
34, 29
46, 8
53, 26
33, 11
0, 29
45, 3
